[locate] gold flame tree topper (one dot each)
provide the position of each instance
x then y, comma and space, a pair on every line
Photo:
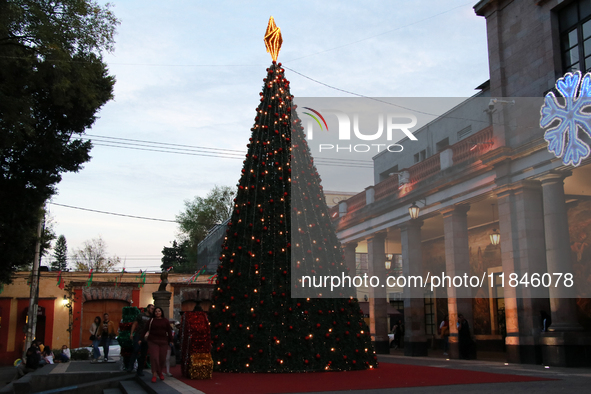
273, 39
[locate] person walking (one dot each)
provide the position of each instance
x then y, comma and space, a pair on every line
394, 344
159, 337
94, 337
399, 335
444, 332
464, 337
140, 346
545, 321
107, 333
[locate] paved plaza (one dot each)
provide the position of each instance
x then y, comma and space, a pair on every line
572, 380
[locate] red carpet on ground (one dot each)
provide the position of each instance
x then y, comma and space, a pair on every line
386, 376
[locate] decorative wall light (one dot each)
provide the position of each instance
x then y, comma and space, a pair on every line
495, 237
414, 209
388, 262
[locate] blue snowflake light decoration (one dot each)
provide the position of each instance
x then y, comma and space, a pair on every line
564, 117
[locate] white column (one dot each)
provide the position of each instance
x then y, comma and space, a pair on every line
562, 298
523, 250
350, 264
457, 263
415, 340
349, 252
378, 317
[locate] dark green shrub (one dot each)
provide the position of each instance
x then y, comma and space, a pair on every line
80, 354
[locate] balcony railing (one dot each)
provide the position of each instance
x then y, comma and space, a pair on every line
386, 187
425, 169
473, 146
470, 148
356, 202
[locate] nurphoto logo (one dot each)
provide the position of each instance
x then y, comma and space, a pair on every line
349, 130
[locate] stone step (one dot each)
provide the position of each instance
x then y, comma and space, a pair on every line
131, 387
168, 386
112, 391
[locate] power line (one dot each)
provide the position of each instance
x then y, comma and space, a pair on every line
165, 143
153, 146
316, 161
241, 152
112, 213
383, 101
168, 151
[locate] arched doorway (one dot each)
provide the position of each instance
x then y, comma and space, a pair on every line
91, 309
188, 306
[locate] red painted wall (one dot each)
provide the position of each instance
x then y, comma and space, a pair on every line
135, 298
4, 323
6, 358
19, 336
49, 305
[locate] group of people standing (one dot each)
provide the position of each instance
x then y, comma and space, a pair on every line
151, 333
465, 342
101, 333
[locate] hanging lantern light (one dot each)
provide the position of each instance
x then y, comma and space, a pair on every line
495, 237
414, 210
388, 263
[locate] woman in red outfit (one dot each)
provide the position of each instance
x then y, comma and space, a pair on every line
159, 340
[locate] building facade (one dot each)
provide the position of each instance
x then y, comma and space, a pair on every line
65, 315
480, 169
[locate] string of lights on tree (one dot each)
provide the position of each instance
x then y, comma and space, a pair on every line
257, 326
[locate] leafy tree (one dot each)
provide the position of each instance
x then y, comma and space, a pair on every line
176, 256
200, 215
52, 83
60, 253
47, 236
48, 233
93, 255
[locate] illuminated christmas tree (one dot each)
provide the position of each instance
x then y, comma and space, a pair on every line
280, 226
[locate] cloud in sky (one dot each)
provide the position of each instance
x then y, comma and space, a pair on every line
190, 72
